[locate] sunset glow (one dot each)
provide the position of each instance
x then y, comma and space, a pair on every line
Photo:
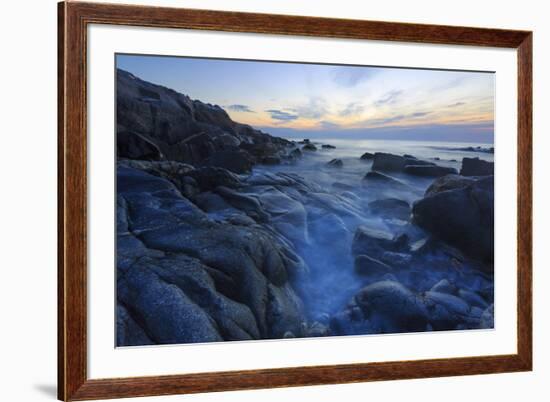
329, 100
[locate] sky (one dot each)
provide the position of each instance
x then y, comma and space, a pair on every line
332, 101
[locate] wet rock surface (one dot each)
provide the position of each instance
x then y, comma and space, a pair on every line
463, 217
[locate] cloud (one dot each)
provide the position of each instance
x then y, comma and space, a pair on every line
456, 104
316, 108
351, 76
389, 98
281, 115
352, 109
239, 108
394, 119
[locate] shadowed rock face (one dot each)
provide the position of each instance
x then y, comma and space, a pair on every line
463, 217
154, 122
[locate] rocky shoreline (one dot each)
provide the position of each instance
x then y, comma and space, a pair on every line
210, 248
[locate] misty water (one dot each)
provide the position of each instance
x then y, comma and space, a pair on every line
332, 280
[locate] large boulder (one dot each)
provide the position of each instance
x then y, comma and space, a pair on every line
388, 162
477, 167
463, 217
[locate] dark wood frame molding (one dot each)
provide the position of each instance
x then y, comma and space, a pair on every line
73, 383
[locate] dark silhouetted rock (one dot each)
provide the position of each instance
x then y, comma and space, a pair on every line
328, 146
429, 171
476, 167
388, 162
463, 217
155, 122
335, 163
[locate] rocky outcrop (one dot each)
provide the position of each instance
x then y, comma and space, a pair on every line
158, 123
476, 167
388, 162
463, 217
183, 277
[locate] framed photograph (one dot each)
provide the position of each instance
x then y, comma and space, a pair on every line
253, 201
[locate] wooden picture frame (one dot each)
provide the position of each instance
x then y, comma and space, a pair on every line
73, 382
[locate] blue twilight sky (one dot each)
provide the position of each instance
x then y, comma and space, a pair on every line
332, 101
